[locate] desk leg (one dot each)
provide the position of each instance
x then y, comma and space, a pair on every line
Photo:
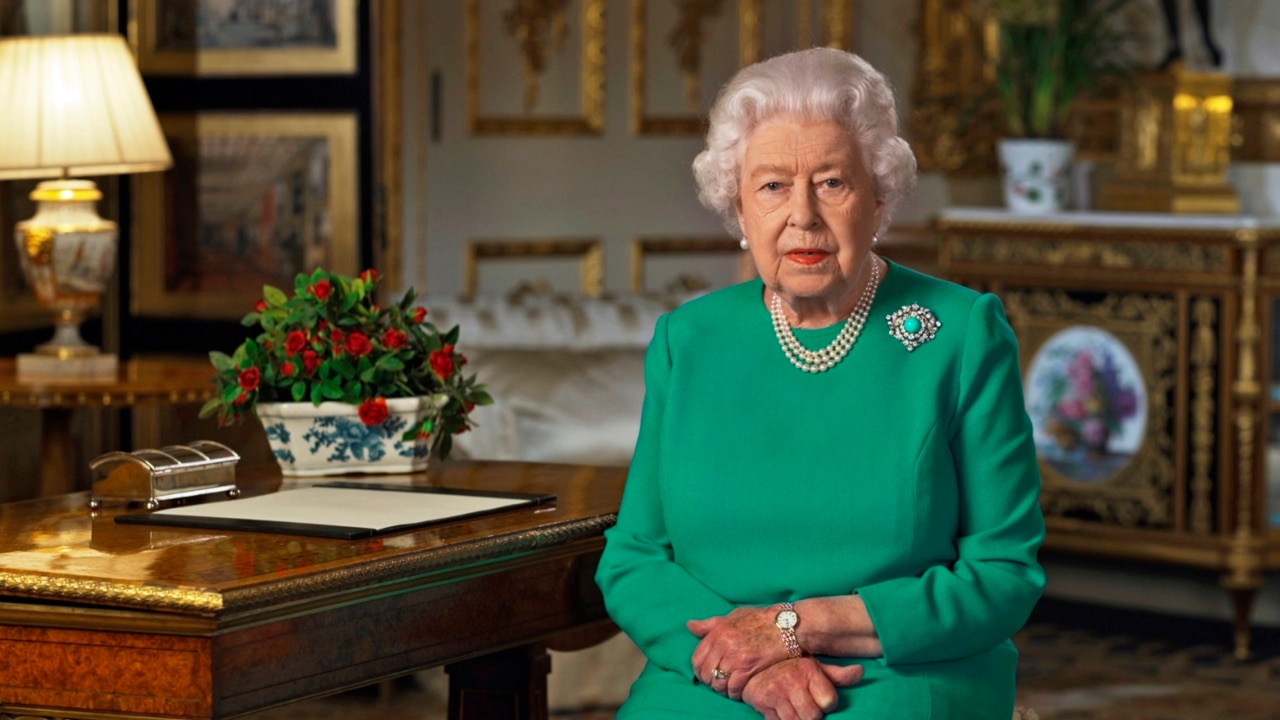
56, 451
511, 684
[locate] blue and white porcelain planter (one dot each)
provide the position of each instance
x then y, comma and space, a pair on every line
330, 439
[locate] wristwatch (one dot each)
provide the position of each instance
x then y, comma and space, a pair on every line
787, 620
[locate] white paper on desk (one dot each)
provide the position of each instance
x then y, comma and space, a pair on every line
348, 507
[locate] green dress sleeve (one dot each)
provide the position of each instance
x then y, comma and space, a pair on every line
987, 593
647, 594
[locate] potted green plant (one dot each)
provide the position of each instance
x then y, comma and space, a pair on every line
1050, 52
344, 384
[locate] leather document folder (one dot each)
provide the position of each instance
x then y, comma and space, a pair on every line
345, 510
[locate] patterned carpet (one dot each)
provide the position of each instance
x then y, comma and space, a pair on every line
1083, 662
1079, 662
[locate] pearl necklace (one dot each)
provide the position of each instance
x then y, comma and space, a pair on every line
816, 361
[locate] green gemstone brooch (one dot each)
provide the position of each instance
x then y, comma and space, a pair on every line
913, 325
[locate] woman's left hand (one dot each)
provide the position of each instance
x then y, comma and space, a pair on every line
739, 645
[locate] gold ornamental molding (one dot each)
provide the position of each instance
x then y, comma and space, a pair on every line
1139, 493
645, 248
1204, 370
588, 251
825, 22
952, 75
204, 602
534, 25
389, 160
316, 589
262, 601
1150, 256
687, 42
837, 22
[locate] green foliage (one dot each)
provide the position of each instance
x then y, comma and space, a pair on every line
1050, 52
331, 341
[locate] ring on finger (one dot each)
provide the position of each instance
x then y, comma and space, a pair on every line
718, 674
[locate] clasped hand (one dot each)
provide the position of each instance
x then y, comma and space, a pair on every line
754, 666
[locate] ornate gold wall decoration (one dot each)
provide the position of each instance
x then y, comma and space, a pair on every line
536, 27
686, 41
1139, 493
689, 249
952, 77
588, 252
838, 21
686, 44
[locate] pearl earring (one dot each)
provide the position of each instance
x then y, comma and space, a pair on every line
743, 243
875, 240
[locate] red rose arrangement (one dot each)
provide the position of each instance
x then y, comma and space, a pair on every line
332, 341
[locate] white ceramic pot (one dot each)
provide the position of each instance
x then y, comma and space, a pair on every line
330, 438
1037, 175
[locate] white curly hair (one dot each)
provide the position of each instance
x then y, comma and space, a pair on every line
814, 84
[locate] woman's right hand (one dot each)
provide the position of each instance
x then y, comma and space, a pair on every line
799, 689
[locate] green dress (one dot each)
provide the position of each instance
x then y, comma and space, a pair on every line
907, 477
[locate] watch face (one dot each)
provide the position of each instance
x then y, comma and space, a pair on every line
787, 619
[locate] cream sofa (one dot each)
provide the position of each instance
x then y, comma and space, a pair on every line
567, 377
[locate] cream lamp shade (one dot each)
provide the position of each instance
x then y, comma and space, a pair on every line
74, 105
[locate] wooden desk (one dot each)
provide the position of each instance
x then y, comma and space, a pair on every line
104, 620
139, 381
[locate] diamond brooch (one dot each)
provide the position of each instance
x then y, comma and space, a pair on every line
913, 325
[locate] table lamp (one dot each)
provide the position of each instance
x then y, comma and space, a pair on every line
74, 106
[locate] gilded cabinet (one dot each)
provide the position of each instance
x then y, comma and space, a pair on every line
1147, 350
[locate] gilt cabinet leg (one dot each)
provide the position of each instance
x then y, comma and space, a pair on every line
511, 684
1243, 601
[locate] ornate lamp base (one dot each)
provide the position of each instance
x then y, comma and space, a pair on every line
35, 368
68, 255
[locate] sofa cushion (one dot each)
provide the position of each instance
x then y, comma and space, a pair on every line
556, 405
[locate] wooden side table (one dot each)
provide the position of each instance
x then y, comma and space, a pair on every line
167, 381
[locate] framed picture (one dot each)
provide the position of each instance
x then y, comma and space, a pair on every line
557, 52
685, 265
542, 266
244, 37
1088, 403
252, 199
1099, 382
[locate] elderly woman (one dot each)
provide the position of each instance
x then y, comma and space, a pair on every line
832, 506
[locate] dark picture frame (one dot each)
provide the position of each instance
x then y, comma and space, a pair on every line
244, 38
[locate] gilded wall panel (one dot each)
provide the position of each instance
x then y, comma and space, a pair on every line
556, 47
